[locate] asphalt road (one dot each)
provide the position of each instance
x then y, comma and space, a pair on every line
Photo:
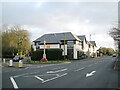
90, 73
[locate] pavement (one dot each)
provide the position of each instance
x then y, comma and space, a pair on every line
89, 73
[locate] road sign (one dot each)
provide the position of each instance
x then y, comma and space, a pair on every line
20, 63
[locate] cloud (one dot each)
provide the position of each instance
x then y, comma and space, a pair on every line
49, 17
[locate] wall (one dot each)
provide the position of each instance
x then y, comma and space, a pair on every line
52, 46
62, 47
85, 49
34, 47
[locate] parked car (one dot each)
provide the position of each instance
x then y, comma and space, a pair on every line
17, 58
114, 55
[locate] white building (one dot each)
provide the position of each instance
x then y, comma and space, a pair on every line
74, 45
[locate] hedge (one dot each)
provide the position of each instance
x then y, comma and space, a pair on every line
51, 54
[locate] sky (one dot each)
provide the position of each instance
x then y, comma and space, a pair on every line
80, 18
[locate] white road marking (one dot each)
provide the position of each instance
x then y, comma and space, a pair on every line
40, 75
79, 69
57, 75
39, 78
90, 65
57, 71
54, 78
24, 74
14, 83
90, 74
26, 67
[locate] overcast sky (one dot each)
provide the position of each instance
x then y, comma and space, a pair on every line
80, 18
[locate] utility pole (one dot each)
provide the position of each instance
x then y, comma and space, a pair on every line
91, 36
64, 46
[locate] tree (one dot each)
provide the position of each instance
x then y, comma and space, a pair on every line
115, 34
15, 39
106, 51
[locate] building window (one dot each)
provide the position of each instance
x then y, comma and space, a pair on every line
70, 43
37, 46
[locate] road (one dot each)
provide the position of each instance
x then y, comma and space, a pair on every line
90, 73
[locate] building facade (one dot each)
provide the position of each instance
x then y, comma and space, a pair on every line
73, 45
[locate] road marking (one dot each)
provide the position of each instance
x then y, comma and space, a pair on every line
26, 67
90, 74
14, 83
39, 78
41, 75
79, 69
54, 78
57, 71
90, 65
24, 74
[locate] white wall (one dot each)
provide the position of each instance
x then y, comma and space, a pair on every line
74, 52
62, 47
91, 50
52, 46
34, 47
78, 46
86, 46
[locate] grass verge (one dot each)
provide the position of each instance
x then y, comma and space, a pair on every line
48, 62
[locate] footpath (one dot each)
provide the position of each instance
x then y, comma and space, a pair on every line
117, 64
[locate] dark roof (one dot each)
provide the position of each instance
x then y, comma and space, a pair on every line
56, 37
93, 43
81, 37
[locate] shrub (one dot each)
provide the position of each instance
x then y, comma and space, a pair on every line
51, 54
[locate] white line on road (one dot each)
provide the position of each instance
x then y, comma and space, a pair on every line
90, 74
24, 74
57, 71
90, 65
54, 78
79, 69
39, 78
14, 83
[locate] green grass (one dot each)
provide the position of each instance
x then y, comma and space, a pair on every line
57, 61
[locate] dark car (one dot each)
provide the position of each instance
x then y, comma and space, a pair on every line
114, 55
17, 58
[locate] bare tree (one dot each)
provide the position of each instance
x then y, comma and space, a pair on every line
115, 34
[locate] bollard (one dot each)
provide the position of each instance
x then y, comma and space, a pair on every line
11, 63
4, 60
20, 63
